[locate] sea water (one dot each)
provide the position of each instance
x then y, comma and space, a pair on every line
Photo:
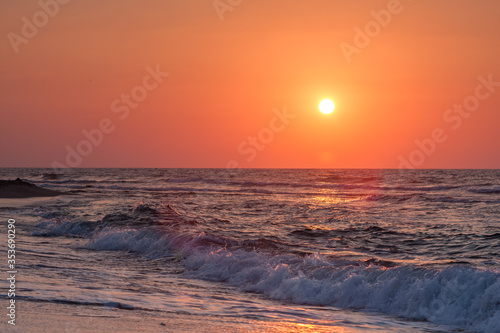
387, 250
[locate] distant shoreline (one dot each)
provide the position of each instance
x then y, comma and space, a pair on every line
20, 189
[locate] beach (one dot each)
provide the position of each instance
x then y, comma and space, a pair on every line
250, 166
200, 250
43, 317
46, 317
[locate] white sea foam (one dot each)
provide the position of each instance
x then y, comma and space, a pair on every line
65, 228
458, 295
143, 241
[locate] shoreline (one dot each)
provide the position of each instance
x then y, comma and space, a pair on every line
44, 316
50, 317
19, 189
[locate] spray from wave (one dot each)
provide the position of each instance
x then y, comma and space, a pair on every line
457, 295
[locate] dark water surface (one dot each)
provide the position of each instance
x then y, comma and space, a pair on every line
413, 250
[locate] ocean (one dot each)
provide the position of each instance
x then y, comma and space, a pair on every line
326, 250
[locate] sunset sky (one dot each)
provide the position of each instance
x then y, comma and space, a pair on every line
244, 82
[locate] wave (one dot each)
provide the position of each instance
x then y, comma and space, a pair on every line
351, 179
362, 183
108, 304
399, 198
140, 216
52, 176
65, 228
458, 295
145, 241
485, 190
329, 233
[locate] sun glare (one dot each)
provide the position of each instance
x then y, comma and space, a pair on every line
326, 106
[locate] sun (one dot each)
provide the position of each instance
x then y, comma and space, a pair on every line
326, 106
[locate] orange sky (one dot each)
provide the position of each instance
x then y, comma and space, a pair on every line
225, 78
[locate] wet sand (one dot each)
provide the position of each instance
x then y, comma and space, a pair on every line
41, 317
